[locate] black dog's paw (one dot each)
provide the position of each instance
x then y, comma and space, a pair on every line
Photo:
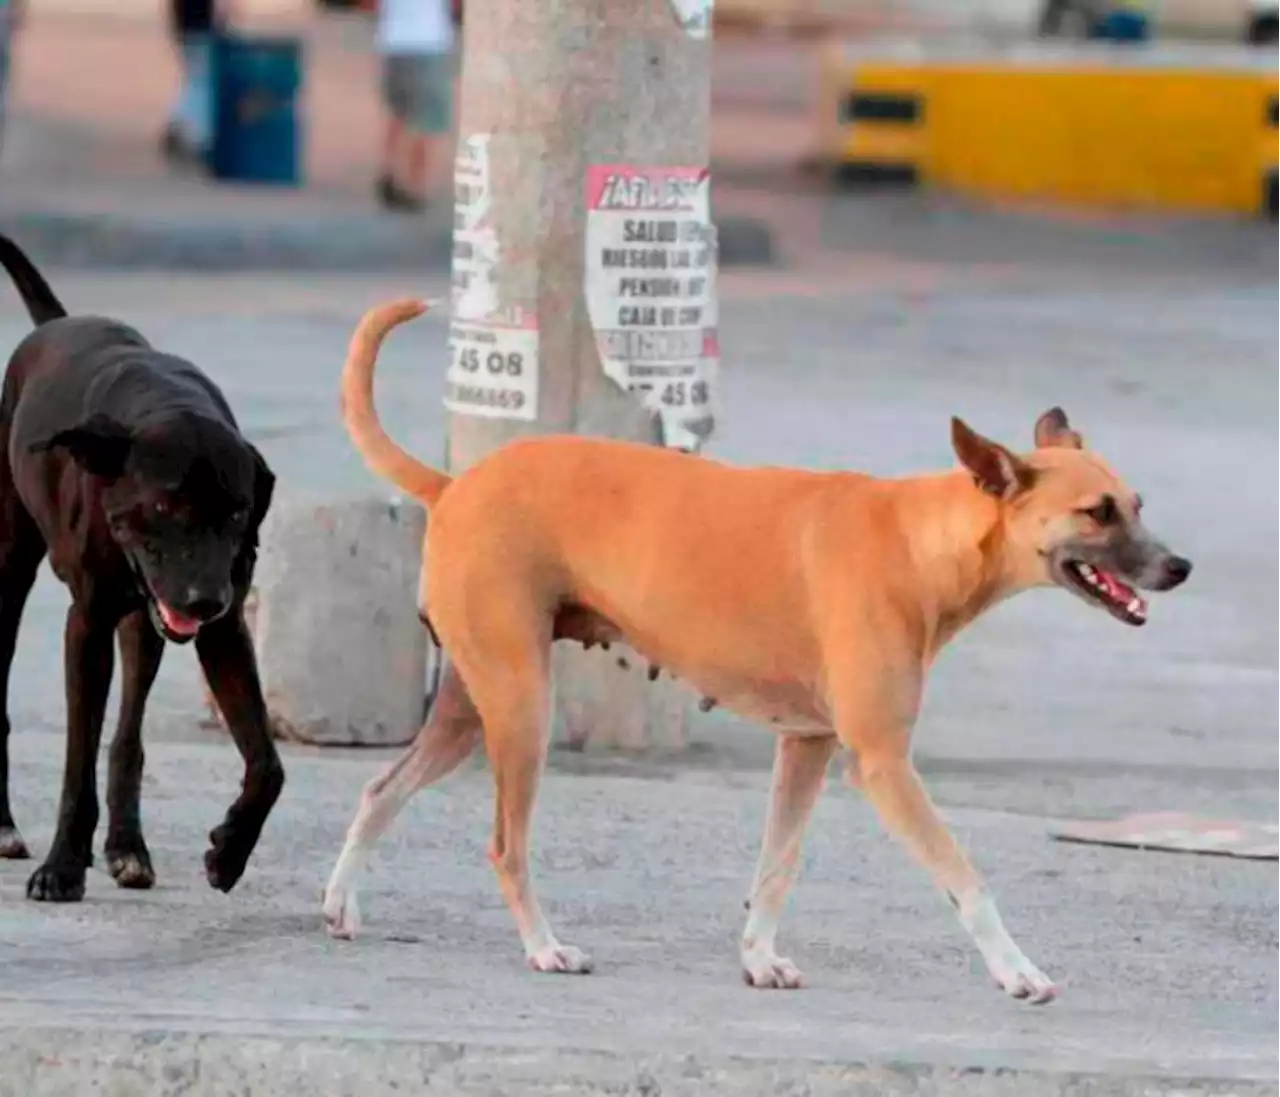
56, 882
225, 860
12, 847
129, 863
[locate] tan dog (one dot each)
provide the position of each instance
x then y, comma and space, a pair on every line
813, 602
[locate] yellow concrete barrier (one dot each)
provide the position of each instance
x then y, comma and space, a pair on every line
1191, 130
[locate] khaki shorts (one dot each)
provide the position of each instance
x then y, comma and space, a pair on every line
417, 88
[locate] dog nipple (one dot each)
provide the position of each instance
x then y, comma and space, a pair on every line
654, 671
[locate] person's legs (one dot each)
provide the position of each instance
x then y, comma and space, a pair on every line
190, 127
199, 114
12, 13
392, 153
397, 100
434, 118
4, 81
415, 164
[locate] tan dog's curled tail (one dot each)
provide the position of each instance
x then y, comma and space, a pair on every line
381, 455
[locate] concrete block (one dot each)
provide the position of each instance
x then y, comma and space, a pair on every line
341, 651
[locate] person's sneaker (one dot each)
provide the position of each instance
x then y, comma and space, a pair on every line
392, 197
171, 144
179, 151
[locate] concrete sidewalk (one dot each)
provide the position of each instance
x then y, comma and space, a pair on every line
81, 179
1166, 962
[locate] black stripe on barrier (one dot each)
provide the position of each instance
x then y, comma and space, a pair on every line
1271, 112
864, 174
1269, 195
862, 106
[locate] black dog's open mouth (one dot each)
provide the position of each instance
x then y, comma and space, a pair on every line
171, 624
1104, 589
168, 622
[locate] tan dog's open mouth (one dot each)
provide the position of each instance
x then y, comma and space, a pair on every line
1104, 589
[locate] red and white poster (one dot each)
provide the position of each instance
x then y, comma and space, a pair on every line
651, 292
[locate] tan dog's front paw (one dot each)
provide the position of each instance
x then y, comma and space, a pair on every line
560, 959
765, 971
341, 914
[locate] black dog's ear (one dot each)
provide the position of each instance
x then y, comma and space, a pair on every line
99, 445
264, 486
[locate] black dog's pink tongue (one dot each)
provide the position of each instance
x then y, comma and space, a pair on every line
177, 623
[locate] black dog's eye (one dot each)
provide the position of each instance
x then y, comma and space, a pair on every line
1104, 511
161, 507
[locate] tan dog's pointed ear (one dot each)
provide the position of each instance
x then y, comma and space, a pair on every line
996, 470
1052, 429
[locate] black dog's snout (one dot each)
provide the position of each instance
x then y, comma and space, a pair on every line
203, 605
202, 609
1176, 570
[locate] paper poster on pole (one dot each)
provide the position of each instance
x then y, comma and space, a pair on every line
651, 294
493, 351
475, 243
694, 16
493, 368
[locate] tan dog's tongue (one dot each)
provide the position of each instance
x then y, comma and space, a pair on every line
1117, 591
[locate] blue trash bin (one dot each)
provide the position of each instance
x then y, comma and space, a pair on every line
257, 134
1122, 26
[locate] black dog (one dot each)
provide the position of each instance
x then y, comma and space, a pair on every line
127, 467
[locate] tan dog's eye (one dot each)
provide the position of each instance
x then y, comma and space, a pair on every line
1104, 511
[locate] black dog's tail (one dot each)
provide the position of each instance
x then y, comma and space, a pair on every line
30, 283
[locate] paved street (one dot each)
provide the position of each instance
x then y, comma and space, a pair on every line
1162, 346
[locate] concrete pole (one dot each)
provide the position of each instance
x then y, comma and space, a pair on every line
584, 264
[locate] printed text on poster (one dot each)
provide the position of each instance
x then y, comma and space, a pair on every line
650, 288
493, 370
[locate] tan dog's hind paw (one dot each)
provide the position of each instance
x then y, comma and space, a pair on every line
1021, 979
341, 914
560, 960
765, 971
